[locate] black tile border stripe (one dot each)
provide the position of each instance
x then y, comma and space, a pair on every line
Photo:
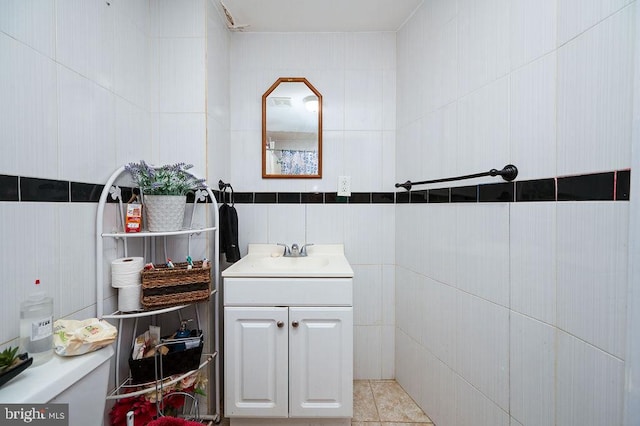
9, 188
496, 192
598, 186
44, 190
601, 186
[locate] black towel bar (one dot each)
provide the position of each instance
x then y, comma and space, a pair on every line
508, 173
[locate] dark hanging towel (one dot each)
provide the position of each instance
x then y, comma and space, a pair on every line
229, 230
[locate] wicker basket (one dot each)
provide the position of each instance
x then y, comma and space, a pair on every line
163, 287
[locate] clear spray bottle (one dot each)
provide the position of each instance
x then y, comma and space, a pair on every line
36, 326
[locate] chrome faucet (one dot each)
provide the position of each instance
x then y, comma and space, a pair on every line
287, 251
295, 250
303, 250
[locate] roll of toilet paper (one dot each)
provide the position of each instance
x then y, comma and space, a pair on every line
129, 298
126, 271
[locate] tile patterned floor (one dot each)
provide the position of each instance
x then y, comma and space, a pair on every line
382, 403
385, 403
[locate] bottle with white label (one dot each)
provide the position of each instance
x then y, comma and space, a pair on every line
36, 326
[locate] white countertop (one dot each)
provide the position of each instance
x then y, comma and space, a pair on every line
38, 385
266, 260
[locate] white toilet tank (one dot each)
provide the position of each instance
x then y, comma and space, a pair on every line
80, 381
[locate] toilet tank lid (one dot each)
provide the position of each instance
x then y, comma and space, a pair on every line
38, 385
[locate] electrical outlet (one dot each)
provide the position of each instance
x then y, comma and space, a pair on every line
344, 186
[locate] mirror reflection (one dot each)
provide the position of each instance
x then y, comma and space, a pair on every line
292, 130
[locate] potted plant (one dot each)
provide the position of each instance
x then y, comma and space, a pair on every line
164, 192
12, 364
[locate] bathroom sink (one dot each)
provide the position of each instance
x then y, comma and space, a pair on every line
266, 260
281, 263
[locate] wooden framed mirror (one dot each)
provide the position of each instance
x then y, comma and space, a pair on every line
292, 130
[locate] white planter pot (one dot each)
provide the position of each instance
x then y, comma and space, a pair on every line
164, 212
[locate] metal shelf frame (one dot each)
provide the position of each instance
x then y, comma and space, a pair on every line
111, 189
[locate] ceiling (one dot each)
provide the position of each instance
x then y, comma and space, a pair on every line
319, 15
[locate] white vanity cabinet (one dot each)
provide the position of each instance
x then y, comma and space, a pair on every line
288, 348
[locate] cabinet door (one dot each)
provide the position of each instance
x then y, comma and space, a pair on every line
320, 362
256, 362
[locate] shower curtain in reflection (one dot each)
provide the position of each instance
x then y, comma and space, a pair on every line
294, 162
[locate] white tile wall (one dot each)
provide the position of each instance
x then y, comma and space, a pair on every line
474, 408
75, 93
514, 422
218, 95
482, 346
242, 146
411, 247
437, 243
13, 278
286, 223
388, 172
590, 384
131, 67
439, 148
38, 244
532, 118
483, 120
482, 250
77, 264
85, 37
440, 86
132, 132
180, 138
367, 295
533, 30
28, 117
532, 237
592, 272
532, 356
365, 175
539, 289
363, 99
179, 18
181, 71
388, 351
405, 291
594, 97
408, 374
446, 77
86, 124
576, 16
364, 234
438, 391
439, 318
367, 344
255, 225
483, 42
32, 22
388, 295
409, 152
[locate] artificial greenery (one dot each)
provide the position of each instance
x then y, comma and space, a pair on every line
8, 357
173, 179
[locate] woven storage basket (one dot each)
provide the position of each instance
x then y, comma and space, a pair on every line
163, 286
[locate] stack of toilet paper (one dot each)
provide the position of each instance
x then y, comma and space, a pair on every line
125, 276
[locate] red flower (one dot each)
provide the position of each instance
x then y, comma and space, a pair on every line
143, 411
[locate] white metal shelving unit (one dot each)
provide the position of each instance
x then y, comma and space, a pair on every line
113, 190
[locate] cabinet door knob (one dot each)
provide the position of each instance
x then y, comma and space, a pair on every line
280, 324
295, 323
